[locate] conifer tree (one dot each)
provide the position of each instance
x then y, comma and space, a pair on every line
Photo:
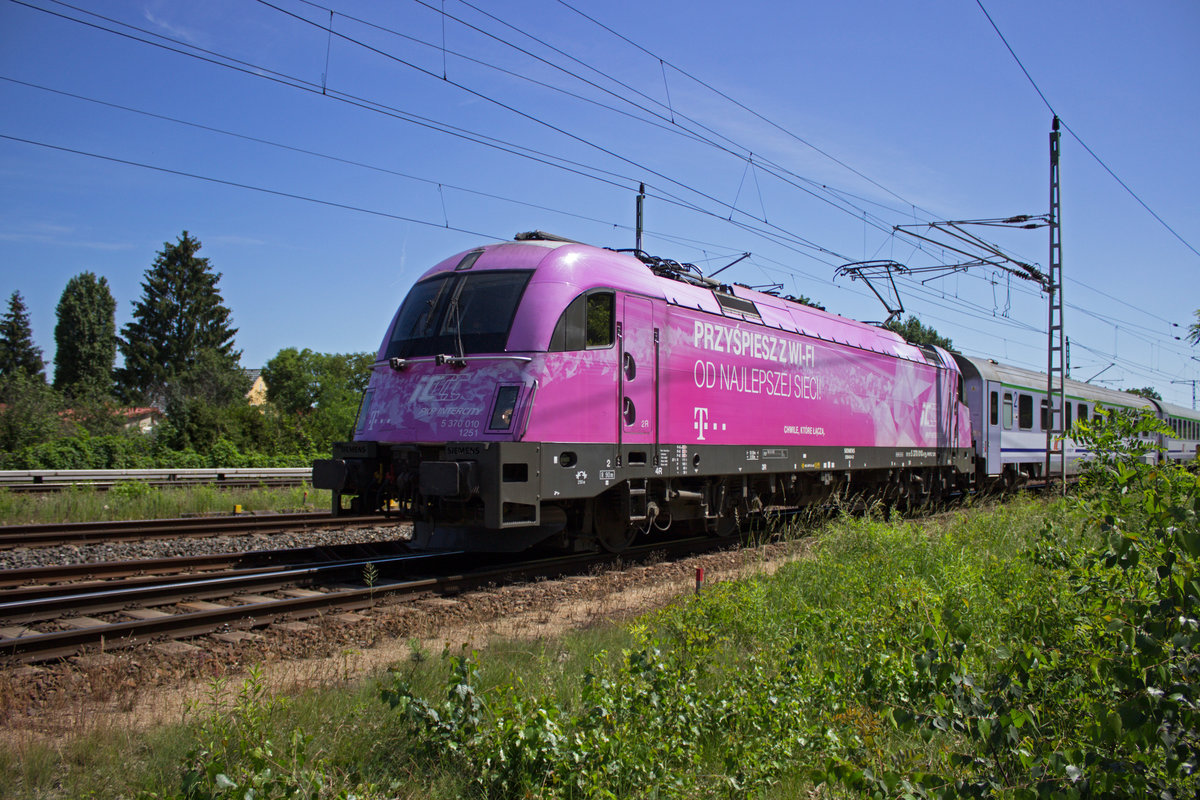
85, 339
181, 314
18, 353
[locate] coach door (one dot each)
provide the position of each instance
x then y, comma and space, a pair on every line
638, 342
994, 397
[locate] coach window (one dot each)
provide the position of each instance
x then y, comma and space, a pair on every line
586, 324
1045, 417
995, 406
1067, 421
1008, 411
1081, 412
1025, 412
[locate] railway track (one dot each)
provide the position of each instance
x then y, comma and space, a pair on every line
42, 622
134, 530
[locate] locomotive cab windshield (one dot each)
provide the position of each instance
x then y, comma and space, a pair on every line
458, 313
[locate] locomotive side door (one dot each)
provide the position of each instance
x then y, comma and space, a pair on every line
638, 372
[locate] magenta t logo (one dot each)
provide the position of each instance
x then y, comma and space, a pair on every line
700, 417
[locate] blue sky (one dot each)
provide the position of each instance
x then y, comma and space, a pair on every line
319, 171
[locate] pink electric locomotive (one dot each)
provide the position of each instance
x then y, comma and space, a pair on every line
546, 390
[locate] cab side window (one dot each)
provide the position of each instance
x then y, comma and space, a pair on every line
586, 324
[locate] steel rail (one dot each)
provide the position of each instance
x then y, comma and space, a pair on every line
50, 578
104, 599
62, 644
45, 535
42, 582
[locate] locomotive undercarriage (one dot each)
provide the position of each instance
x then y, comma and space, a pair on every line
509, 496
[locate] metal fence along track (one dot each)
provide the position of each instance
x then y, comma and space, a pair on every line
44, 480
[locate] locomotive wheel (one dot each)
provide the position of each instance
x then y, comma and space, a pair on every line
613, 531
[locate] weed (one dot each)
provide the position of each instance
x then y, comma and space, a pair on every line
236, 754
370, 575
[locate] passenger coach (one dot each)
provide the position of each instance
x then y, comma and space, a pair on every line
1008, 409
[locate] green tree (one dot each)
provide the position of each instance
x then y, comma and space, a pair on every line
914, 332
31, 411
1194, 329
202, 403
181, 314
805, 300
319, 392
1148, 392
18, 353
85, 339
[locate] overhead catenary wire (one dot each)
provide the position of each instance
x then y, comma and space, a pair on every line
738, 103
1077, 137
249, 187
306, 151
653, 55
824, 255
555, 128
778, 235
820, 191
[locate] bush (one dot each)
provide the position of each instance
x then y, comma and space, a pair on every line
236, 754
1026, 651
1097, 693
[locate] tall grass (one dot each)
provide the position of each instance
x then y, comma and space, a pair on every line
133, 500
752, 687
1031, 649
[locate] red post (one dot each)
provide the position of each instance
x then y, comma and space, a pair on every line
699, 578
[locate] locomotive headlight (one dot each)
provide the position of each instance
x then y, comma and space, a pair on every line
502, 411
